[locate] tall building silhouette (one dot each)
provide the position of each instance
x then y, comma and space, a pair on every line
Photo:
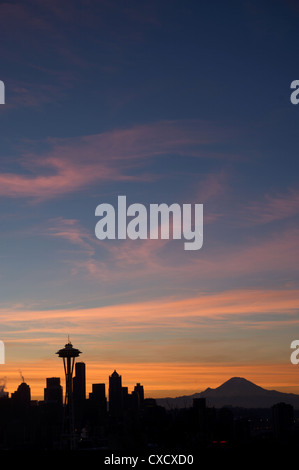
98, 392
22, 395
68, 354
98, 398
53, 391
79, 383
115, 395
139, 393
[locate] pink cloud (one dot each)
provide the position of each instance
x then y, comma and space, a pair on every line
149, 260
70, 230
273, 207
34, 95
276, 253
74, 164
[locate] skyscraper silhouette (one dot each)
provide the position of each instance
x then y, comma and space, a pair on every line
115, 395
98, 398
22, 395
53, 391
79, 383
139, 392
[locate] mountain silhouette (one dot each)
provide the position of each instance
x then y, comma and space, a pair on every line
235, 392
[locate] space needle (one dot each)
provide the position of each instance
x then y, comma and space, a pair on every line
68, 354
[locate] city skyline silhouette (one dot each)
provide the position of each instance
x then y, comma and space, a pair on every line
117, 419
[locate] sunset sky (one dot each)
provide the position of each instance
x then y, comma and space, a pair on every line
164, 101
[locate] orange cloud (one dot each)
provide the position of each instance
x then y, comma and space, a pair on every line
161, 313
